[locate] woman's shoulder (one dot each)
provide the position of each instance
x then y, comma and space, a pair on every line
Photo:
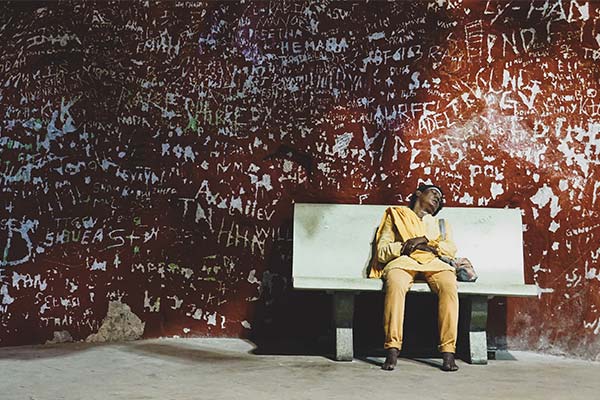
389, 211
398, 208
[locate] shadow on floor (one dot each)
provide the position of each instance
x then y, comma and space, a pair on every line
42, 351
188, 353
293, 347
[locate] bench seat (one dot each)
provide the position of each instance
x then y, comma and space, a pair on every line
365, 284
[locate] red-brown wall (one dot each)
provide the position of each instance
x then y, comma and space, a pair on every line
151, 153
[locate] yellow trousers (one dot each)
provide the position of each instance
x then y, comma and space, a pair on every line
443, 283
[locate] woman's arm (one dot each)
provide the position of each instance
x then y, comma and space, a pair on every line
387, 246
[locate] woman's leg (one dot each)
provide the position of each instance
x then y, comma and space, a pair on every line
397, 283
444, 284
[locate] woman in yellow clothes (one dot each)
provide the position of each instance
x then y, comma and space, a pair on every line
409, 244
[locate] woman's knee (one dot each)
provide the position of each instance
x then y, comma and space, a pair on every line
397, 280
446, 283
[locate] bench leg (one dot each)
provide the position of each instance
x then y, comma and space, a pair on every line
343, 314
476, 311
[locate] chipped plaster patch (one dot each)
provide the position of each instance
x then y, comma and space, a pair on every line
60, 337
466, 199
197, 314
98, 266
152, 307
212, 319
119, 324
252, 277
496, 189
341, 144
541, 291
28, 281
6, 298
545, 195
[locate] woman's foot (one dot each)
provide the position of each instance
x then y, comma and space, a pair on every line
391, 359
449, 364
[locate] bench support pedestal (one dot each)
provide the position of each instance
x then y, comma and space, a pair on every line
474, 318
343, 314
475, 313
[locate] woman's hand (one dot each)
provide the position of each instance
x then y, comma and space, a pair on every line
428, 248
411, 244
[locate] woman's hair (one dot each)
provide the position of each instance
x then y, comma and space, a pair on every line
422, 188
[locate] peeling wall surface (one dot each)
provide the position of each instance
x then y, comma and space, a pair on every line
151, 152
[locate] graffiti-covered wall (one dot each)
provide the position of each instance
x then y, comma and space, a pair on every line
151, 152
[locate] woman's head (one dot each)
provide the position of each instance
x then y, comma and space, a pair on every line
430, 198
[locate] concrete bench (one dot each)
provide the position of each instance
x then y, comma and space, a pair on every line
332, 247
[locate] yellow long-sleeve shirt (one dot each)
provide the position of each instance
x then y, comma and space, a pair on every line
400, 224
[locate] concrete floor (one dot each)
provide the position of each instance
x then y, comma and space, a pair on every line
170, 369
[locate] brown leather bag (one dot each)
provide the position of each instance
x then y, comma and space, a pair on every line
465, 272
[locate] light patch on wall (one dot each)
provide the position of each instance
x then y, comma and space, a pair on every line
413, 155
252, 277
200, 213
541, 290
571, 155
536, 268
44, 307
264, 182
98, 266
553, 226
341, 144
236, 203
177, 302
211, 319
376, 35
246, 324
592, 273
28, 281
197, 314
496, 189
323, 168
187, 272
152, 307
27, 226
563, 185
466, 199
545, 195
574, 279
6, 298
595, 195
595, 325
